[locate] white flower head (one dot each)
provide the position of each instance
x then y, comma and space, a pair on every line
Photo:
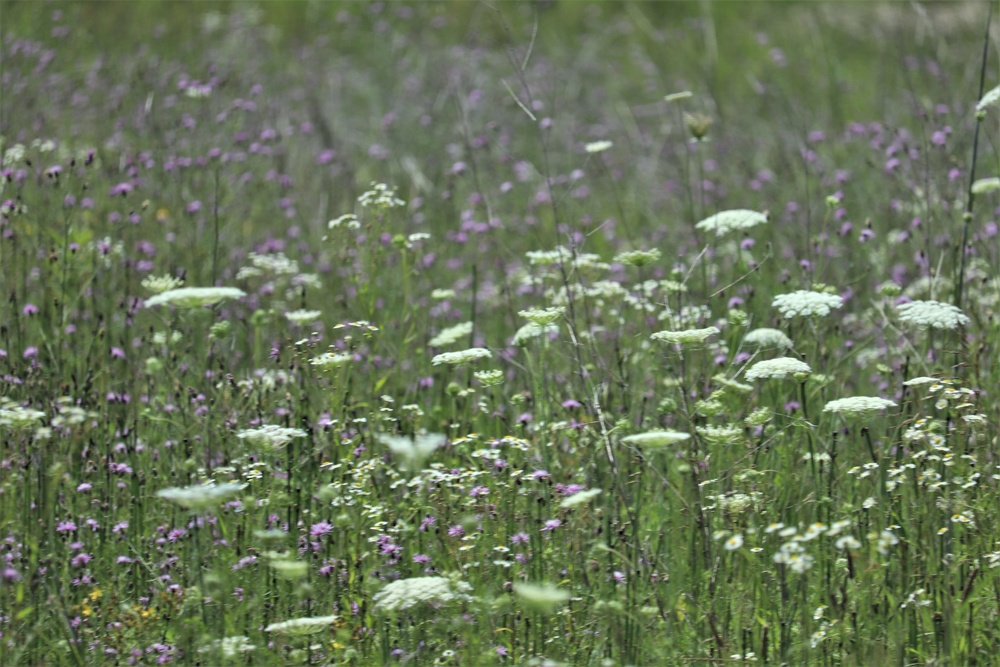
271, 435
490, 378
329, 360
200, 496
545, 598
734, 542
638, 258
932, 314
984, 185
451, 335
543, 317
777, 369
229, 647
687, 336
768, 338
654, 439
579, 498
462, 356
728, 221
530, 331
917, 381
804, 303
302, 626
858, 405
303, 317
192, 297
989, 99
160, 284
598, 146
405, 593
413, 452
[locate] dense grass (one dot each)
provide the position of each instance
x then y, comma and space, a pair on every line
382, 184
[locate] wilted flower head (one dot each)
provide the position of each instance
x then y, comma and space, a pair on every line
932, 314
405, 593
412, 451
651, 439
687, 336
777, 369
451, 335
768, 338
728, 221
462, 357
201, 496
302, 626
192, 297
858, 405
804, 303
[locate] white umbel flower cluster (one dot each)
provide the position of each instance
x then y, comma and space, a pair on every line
728, 221
462, 356
858, 405
768, 338
530, 331
651, 439
932, 314
451, 335
200, 496
192, 297
989, 99
777, 369
302, 626
271, 435
543, 317
405, 593
805, 303
685, 336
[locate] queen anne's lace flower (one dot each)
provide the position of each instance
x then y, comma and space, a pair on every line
271, 435
303, 317
638, 258
405, 593
768, 338
777, 369
721, 435
451, 335
932, 314
200, 496
532, 330
656, 438
804, 303
598, 146
543, 317
728, 221
579, 498
302, 626
191, 297
462, 356
685, 336
989, 99
858, 405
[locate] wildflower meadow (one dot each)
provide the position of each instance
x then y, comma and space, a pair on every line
499, 333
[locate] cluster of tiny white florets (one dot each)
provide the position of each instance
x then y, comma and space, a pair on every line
192, 297
805, 303
158, 284
451, 335
302, 626
728, 221
656, 438
15, 416
543, 317
303, 317
380, 197
932, 314
685, 336
777, 369
858, 404
271, 435
768, 338
405, 593
462, 356
638, 258
530, 331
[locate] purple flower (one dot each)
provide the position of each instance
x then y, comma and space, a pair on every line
66, 527
81, 559
519, 538
456, 531
320, 529
478, 491
551, 524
